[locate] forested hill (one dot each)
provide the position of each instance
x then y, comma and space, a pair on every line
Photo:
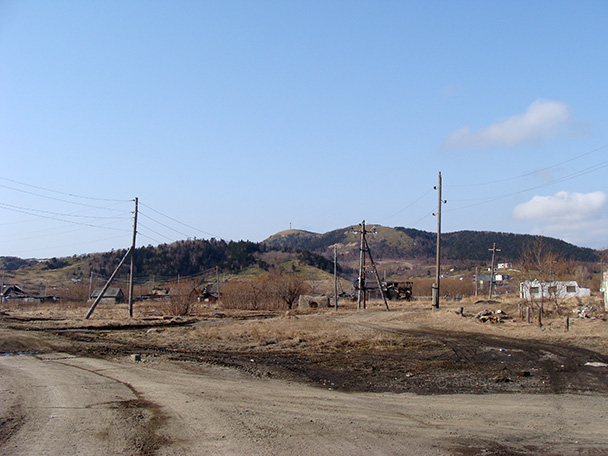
182, 258
409, 243
474, 245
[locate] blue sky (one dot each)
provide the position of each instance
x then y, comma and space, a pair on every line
239, 119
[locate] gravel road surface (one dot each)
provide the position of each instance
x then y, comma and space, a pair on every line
56, 404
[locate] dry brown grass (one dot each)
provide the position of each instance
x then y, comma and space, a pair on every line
314, 332
329, 330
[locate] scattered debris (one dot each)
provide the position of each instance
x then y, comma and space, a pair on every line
596, 364
584, 312
501, 379
494, 317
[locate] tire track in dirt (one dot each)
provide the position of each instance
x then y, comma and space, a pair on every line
563, 368
146, 439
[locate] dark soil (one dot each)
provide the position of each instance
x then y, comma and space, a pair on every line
425, 362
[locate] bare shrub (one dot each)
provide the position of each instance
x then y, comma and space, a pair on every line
274, 291
449, 287
181, 299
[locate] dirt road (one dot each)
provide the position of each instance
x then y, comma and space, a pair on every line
53, 403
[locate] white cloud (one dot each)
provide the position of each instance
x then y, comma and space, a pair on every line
578, 218
563, 206
542, 120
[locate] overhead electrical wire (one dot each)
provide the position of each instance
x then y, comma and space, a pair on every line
181, 223
406, 207
576, 174
59, 219
96, 217
64, 193
150, 237
153, 231
531, 173
57, 199
162, 224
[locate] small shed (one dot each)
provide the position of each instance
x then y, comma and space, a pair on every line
113, 295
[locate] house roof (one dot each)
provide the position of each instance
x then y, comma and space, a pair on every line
112, 292
14, 290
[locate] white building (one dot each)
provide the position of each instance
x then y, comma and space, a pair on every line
555, 289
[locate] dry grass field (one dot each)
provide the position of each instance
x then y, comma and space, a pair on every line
413, 347
413, 380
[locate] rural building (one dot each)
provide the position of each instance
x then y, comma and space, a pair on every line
554, 289
14, 293
211, 292
111, 296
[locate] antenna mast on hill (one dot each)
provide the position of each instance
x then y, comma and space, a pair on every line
364, 247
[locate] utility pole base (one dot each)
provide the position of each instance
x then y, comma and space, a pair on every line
435, 295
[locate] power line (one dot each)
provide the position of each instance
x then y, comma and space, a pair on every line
531, 172
156, 232
583, 172
61, 220
406, 207
63, 193
181, 223
73, 244
162, 224
97, 217
55, 199
150, 237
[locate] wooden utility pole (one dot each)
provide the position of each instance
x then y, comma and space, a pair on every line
107, 285
494, 250
336, 276
436, 287
361, 281
217, 282
364, 247
132, 261
476, 279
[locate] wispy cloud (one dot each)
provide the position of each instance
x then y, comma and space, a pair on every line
542, 120
575, 217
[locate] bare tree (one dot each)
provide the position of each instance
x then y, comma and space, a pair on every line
288, 286
538, 261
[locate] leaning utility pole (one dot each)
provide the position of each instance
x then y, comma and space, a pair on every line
364, 247
494, 250
435, 288
107, 285
132, 260
130, 252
